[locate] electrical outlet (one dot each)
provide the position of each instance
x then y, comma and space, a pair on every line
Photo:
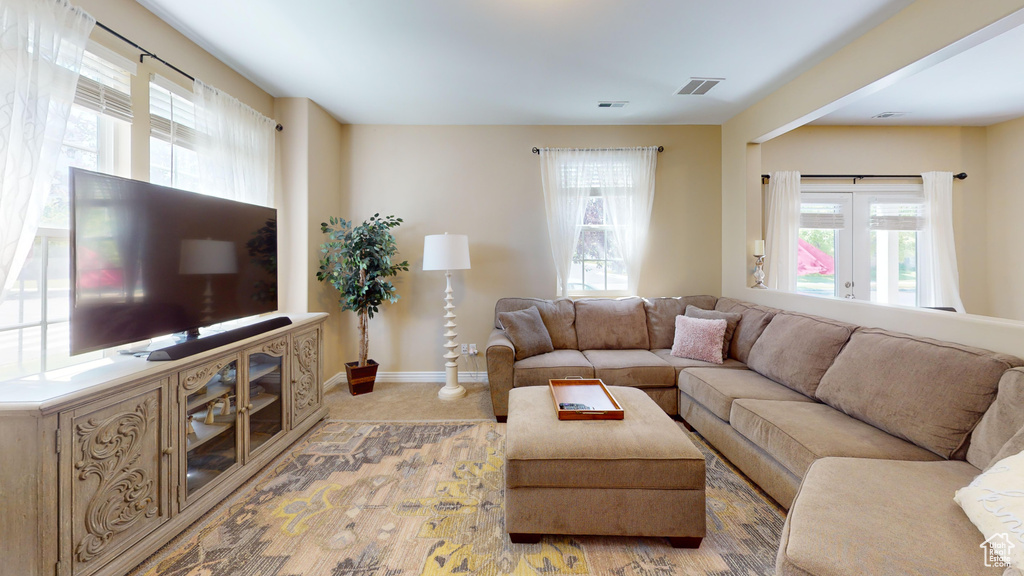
472, 350
465, 348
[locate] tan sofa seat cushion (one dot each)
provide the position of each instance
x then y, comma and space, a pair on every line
857, 516
606, 324
559, 318
1000, 422
929, 392
662, 312
636, 368
798, 433
716, 389
682, 363
796, 349
537, 370
646, 449
755, 319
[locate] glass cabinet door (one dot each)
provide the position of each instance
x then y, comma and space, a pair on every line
265, 407
211, 434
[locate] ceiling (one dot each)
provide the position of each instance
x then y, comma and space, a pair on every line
521, 61
981, 86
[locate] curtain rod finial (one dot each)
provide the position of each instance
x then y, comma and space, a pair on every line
279, 127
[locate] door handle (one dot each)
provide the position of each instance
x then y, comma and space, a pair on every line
848, 284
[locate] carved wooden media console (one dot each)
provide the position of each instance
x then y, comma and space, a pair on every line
100, 467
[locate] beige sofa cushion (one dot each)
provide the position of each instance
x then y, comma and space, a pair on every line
636, 368
645, 449
796, 349
755, 319
929, 392
662, 312
537, 370
798, 433
716, 389
856, 516
682, 363
606, 324
731, 319
559, 318
1001, 421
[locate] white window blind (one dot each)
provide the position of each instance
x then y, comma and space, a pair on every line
104, 84
822, 216
887, 216
172, 116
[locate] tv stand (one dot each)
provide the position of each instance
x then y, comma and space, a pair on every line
102, 467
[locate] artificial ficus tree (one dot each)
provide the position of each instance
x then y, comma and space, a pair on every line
357, 262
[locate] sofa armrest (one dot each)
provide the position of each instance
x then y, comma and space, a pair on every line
501, 355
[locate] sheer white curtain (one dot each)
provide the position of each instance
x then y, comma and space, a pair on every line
783, 228
41, 46
631, 203
565, 199
938, 277
624, 177
235, 148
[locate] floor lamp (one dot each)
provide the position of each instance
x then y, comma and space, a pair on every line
448, 252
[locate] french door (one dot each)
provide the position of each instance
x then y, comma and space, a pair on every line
864, 244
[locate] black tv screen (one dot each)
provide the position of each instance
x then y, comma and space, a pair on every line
148, 260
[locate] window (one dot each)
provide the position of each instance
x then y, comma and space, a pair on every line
34, 327
598, 204
172, 155
864, 245
597, 263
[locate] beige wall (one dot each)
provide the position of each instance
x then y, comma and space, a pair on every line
312, 185
483, 181
896, 48
905, 150
1005, 146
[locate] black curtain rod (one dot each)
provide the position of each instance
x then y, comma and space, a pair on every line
660, 149
146, 53
855, 177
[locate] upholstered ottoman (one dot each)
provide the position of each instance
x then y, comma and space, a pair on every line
639, 476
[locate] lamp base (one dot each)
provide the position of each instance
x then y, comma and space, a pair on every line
452, 389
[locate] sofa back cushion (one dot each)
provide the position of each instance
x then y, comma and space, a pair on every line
929, 392
559, 318
795, 350
606, 324
661, 316
1001, 421
755, 319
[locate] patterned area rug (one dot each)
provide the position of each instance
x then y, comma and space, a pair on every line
366, 499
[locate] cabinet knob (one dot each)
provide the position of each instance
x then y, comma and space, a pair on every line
169, 450
248, 407
241, 409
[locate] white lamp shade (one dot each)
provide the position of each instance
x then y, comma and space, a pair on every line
207, 257
446, 252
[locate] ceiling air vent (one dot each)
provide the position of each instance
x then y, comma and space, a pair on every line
699, 86
612, 104
885, 115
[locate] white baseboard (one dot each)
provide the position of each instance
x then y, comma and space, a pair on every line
465, 377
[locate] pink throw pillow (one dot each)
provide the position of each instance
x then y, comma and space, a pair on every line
699, 339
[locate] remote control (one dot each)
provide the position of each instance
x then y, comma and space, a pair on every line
573, 406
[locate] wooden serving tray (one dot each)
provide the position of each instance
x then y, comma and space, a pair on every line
600, 403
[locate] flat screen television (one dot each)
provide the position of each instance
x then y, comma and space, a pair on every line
148, 260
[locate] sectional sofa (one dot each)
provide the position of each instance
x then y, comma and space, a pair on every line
862, 434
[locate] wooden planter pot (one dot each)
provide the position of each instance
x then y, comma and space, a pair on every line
361, 378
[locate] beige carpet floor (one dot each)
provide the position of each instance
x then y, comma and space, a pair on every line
409, 402
426, 498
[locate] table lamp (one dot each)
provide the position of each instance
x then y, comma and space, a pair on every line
448, 252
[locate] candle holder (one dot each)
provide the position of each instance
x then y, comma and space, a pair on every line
759, 272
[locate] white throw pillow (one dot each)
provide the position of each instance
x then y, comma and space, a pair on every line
994, 502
